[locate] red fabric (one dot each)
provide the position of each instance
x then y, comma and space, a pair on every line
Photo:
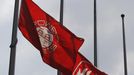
84, 67
58, 46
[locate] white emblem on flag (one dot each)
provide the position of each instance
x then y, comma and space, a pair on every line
46, 33
82, 69
45, 36
84, 72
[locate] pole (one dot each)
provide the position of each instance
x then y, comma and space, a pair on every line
95, 34
124, 45
61, 11
61, 21
14, 39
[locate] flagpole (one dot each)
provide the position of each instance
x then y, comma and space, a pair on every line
124, 45
61, 11
61, 21
14, 39
95, 34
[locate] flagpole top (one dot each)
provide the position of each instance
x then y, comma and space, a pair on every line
122, 15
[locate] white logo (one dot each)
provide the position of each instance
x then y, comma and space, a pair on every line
82, 69
45, 36
46, 33
84, 72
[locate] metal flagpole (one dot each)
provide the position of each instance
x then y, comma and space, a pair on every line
95, 34
61, 21
61, 11
124, 45
14, 39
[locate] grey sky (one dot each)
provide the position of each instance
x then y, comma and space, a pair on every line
78, 17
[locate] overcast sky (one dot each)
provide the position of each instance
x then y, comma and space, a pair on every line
78, 17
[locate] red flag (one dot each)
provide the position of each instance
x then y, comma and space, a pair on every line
84, 67
58, 46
